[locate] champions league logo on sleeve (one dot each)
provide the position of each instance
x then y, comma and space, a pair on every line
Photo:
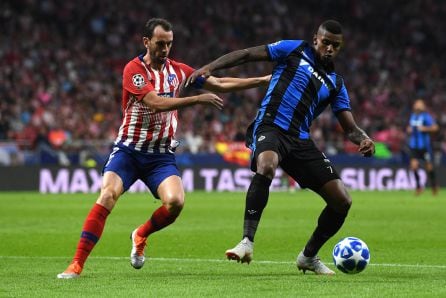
138, 81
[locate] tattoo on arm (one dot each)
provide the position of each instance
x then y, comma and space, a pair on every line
229, 60
239, 57
357, 135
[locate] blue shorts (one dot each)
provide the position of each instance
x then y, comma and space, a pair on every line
151, 168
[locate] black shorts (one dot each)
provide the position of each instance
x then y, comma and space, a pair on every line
421, 154
300, 159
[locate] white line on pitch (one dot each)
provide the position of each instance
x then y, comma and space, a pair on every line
216, 261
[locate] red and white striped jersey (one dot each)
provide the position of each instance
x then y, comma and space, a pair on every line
142, 129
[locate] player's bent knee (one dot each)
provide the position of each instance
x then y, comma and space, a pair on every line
267, 169
344, 205
108, 198
344, 202
174, 204
336, 196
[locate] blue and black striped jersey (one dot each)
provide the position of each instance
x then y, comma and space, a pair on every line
418, 139
299, 90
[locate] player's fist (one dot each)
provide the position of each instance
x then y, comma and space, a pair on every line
211, 99
265, 80
367, 147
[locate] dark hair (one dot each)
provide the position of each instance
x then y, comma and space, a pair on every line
151, 25
332, 26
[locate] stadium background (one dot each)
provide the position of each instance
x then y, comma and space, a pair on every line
62, 61
60, 73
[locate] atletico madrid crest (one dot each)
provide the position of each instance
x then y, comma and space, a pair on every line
173, 80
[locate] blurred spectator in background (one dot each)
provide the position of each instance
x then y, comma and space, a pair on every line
49, 145
57, 64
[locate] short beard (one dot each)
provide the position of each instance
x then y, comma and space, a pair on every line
157, 60
327, 64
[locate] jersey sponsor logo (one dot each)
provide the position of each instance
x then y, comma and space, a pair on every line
317, 75
165, 94
138, 81
172, 79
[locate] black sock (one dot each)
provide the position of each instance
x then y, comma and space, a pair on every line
256, 199
329, 223
417, 178
432, 178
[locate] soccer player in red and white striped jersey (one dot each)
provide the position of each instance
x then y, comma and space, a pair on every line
144, 128
145, 144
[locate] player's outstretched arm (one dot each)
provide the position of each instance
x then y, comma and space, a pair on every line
431, 129
356, 134
228, 84
231, 59
161, 104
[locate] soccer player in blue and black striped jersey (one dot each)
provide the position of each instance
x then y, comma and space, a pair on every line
421, 126
303, 84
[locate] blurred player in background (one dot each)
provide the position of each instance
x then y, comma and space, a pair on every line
303, 83
289, 183
145, 144
421, 126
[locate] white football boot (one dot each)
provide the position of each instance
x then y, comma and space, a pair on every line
312, 264
137, 258
73, 271
242, 252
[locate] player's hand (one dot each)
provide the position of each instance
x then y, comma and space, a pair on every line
210, 99
204, 72
367, 147
423, 128
265, 80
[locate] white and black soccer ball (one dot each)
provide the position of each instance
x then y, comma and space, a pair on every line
351, 255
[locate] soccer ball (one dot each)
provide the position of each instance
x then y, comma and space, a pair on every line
351, 255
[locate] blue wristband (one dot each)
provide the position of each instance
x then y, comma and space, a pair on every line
199, 82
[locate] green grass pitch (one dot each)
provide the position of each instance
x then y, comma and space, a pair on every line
38, 234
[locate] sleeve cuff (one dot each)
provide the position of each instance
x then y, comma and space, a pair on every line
199, 82
268, 52
342, 110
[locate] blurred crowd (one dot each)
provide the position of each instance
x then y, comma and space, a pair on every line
62, 61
